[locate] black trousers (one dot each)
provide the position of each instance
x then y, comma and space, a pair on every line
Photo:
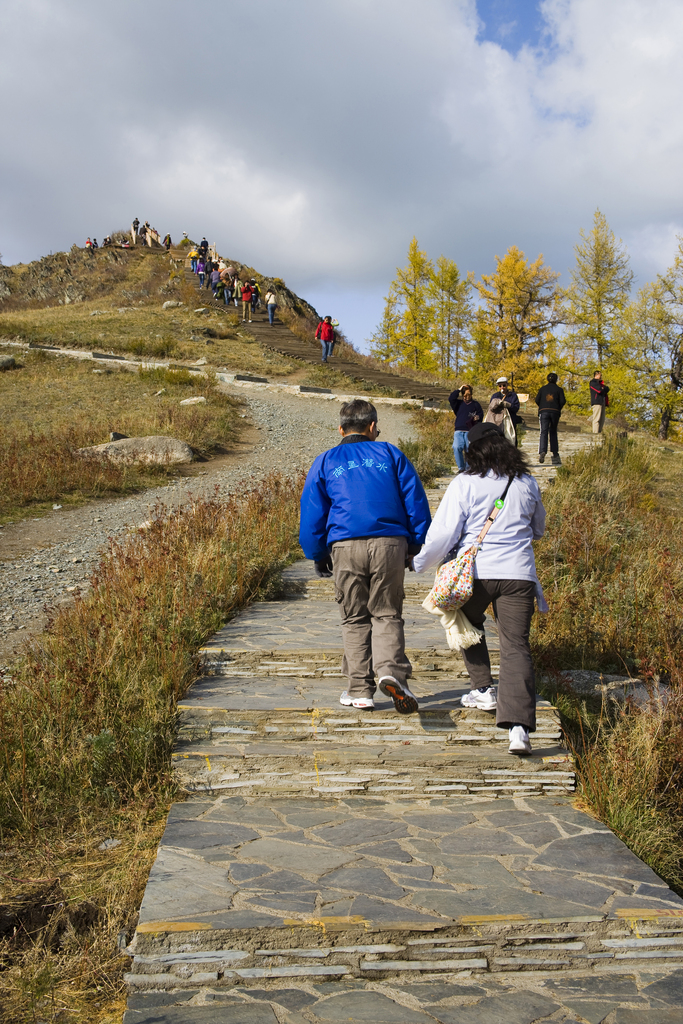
548, 423
513, 606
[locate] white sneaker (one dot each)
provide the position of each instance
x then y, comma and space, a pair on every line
362, 703
405, 702
484, 698
519, 740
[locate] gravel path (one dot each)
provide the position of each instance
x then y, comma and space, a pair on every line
42, 562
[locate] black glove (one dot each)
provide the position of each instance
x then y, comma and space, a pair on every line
323, 568
413, 549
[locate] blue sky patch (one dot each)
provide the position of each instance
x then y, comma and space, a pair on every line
510, 23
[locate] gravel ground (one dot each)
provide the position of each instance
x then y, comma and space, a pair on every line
57, 554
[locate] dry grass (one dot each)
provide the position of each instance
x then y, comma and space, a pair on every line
53, 406
432, 453
145, 332
116, 307
87, 723
65, 907
611, 564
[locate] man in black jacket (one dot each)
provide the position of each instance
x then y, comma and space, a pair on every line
550, 401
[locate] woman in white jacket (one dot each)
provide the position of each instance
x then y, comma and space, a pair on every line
504, 571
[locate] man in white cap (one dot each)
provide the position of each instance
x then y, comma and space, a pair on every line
506, 395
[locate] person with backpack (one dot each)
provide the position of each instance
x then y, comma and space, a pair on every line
204, 247
246, 302
215, 280
467, 413
167, 241
364, 513
255, 294
550, 401
326, 335
201, 269
134, 230
599, 401
226, 281
271, 305
194, 256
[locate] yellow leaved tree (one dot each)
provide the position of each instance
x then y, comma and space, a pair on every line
405, 335
521, 306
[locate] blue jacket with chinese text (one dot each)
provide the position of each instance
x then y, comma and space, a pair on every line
362, 489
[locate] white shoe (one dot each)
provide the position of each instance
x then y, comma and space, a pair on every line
484, 698
362, 703
519, 740
405, 702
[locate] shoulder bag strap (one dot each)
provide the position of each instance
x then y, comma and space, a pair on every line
494, 512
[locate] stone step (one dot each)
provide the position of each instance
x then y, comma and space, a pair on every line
252, 888
212, 770
565, 947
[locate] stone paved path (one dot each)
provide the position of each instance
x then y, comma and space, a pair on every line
330, 865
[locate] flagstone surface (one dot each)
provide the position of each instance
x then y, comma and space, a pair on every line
332, 865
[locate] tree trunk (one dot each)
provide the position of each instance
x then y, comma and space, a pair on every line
664, 425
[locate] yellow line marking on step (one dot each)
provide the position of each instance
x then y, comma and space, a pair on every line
483, 918
173, 926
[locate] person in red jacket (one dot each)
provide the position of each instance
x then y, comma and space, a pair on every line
246, 302
325, 333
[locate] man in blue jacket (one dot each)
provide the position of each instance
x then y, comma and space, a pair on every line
364, 514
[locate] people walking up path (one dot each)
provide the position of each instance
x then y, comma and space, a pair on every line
278, 337
550, 400
333, 864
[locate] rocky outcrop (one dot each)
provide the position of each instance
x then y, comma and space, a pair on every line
161, 451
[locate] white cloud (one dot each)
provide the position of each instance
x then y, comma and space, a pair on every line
314, 140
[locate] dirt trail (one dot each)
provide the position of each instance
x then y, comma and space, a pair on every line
44, 561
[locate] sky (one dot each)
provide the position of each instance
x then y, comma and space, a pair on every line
313, 139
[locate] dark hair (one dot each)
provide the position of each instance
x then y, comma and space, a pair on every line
597, 373
357, 416
495, 452
552, 378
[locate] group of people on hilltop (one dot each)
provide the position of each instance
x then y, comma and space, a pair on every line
503, 411
227, 285
147, 235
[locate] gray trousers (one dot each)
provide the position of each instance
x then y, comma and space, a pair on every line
513, 605
368, 581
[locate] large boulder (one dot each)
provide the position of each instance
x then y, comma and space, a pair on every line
163, 451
